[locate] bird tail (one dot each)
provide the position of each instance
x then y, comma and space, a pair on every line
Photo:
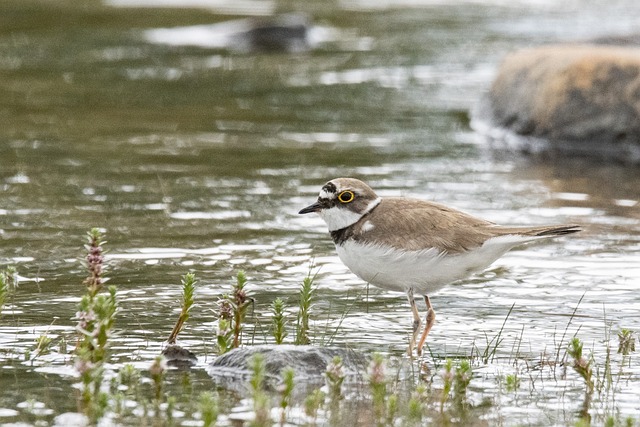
557, 230
543, 231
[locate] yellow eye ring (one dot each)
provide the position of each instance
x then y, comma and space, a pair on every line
346, 196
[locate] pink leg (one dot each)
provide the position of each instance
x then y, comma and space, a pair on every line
416, 322
430, 320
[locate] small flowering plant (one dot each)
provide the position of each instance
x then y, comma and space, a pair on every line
232, 310
95, 317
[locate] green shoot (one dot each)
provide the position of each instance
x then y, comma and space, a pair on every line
462, 378
512, 382
313, 403
96, 316
240, 303
261, 406
157, 371
378, 385
43, 345
580, 364
232, 312
279, 322
286, 393
225, 318
392, 409
447, 379
334, 377
208, 407
626, 342
302, 324
8, 281
188, 287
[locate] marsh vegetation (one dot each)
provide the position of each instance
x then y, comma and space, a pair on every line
394, 390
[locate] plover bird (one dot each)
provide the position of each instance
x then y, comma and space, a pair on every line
411, 245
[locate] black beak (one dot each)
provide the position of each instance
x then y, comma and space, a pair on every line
311, 208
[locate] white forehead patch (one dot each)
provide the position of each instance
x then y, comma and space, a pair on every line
324, 194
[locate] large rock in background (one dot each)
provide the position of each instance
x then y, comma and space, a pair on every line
571, 99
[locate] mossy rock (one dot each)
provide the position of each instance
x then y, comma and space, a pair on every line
568, 99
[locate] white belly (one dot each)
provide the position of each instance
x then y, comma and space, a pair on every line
426, 270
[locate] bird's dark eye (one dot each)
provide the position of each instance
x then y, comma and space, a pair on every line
346, 196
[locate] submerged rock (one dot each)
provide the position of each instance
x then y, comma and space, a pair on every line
287, 33
71, 419
179, 357
284, 33
308, 362
572, 99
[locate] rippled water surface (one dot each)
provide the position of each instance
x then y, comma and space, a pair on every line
194, 156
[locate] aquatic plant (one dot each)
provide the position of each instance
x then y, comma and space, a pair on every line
94, 262
626, 342
8, 282
157, 372
462, 378
188, 288
442, 395
4, 291
415, 406
95, 316
312, 404
378, 385
392, 409
492, 344
286, 393
561, 343
208, 408
43, 345
240, 302
224, 333
261, 403
512, 382
302, 323
129, 377
279, 321
447, 380
232, 310
581, 364
334, 377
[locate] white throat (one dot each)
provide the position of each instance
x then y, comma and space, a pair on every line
337, 218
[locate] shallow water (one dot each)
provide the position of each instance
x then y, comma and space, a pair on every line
193, 158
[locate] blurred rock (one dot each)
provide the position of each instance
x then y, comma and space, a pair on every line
70, 419
179, 357
287, 33
284, 33
569, 99
308, 362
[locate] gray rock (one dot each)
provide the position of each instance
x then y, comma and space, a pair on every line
287, 33
179, 357
308, 362
571, 99
284, 33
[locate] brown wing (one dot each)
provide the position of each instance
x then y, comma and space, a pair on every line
416, 224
